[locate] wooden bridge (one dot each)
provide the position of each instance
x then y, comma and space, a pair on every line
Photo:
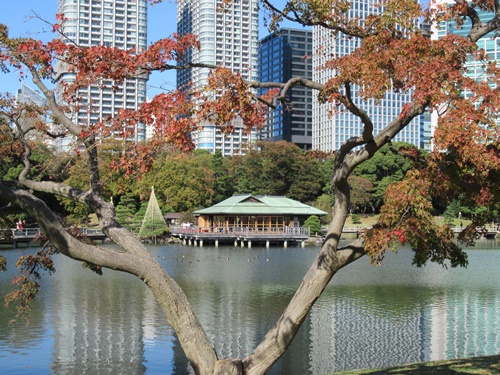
488, 231
26, 236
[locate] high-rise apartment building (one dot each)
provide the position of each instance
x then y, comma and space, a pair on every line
118, 23
228, 39
426, 131
283, 55
332, 128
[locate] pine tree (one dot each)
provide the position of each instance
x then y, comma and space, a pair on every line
126, 209
139, 217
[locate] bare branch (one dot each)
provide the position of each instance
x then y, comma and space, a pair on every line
55, 136
54, 29
367, 133
298, 18
165, 67
295, 81
389, 132
53, 106
480, 29
263, 101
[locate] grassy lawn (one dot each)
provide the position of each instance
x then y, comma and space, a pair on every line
366, 220
478, 365
369, 220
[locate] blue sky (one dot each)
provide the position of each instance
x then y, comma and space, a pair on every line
16, 15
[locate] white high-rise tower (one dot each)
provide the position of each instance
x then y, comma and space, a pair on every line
228, 39
118, 23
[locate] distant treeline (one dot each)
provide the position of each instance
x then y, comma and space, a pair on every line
185, 182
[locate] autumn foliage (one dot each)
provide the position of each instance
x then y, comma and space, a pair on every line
395, 55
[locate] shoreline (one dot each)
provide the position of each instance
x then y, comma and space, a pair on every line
483, 365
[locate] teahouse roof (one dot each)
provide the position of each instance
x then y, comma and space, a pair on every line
248, 204
173, 215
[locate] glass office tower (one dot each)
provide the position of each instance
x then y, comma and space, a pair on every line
473, 68
283, 55
330, 130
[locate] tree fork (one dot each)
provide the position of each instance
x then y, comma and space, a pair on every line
229, 366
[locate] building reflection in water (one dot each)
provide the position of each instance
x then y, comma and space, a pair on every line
112, 324
349, 335
98, 326
394, 315
377, 325
464, 324
237, 298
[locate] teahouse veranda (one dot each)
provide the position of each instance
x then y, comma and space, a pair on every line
244, 218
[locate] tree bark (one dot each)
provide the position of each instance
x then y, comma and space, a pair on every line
229, 367
326, 264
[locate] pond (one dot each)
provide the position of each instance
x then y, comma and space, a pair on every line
367, 317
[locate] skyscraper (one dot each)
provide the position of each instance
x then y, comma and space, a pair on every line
27, 95
331, 129
121, 24
228, 39
474, 68
283, 55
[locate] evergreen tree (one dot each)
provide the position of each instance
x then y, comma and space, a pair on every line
126, 209
139, 217
223, 181
314, 224
383, 169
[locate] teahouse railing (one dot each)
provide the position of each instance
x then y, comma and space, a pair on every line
239, 231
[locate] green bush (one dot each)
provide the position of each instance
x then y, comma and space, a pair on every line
314, 224
356, 219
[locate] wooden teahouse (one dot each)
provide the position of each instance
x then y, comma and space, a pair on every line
247, 217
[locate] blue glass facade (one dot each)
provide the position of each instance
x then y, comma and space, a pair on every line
283, 55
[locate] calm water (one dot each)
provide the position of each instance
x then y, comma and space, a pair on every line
367, 317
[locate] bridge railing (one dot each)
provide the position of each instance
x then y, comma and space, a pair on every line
25, 232
92, 232
353, 229
245, 231
486, 228
33, 232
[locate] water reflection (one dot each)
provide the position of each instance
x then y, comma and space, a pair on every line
402, 315
367, 317
96, 323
